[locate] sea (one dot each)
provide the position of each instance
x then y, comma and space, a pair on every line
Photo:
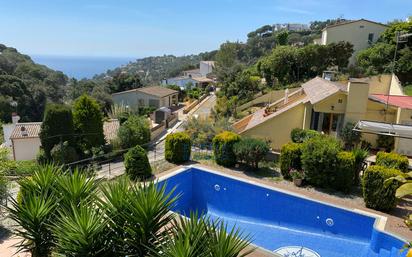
80, 67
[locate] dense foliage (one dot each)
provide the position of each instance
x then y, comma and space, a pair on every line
379, 57
202, 131
392, 160
29, 84
223, 148
350, 137
343, 177
135, 131
377, 194
319, 160
137, 164
63, 153
290, 158
88, 122
57, 127
251, 151
178, 147
298, 135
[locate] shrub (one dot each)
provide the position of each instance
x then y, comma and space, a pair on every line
290, 158
88, 121
178, 147
251, 151
376, 194
392, 160
135, 131
57, 126
350, 137
319, 157
64, 153
41, 157
385, 142
343, 177
223, 148
137, 164
360, 156
298, 135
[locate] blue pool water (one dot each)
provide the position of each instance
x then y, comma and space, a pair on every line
277, 219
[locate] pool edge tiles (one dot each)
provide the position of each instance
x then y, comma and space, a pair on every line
270, 212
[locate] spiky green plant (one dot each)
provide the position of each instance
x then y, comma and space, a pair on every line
139, 216
33, 218
199, 236
81, 232
76, 188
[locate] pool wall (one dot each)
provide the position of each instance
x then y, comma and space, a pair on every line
209, 191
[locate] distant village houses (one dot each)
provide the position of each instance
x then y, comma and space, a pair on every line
196, 77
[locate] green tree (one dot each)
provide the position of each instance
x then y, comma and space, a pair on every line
88, 122
135, 131
282, 38
123, 81
57, 127
137, 164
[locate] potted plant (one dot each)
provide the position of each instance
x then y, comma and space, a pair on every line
297, 176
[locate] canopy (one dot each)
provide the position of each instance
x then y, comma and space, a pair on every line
381, 128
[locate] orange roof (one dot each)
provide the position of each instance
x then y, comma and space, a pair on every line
26, 130
404, 102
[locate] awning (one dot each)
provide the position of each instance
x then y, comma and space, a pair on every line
381, 128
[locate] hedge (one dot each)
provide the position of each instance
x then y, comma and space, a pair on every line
64, 153
178, 147
343, 175
290, 158
223, 148
251, 151
319, 159
392, 160
137, 164
376, 195
298, 135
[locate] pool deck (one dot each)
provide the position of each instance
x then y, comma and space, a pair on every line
394, 219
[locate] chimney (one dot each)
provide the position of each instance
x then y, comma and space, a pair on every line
15, 118
286, 96
23, 131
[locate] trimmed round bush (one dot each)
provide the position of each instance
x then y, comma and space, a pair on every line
223, 148
392, 160
319, 159
290, 158
178, 147
64, 153
137, 164
343, 177
251, 151
376, 194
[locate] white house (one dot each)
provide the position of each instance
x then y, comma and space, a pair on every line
196, 77
360, 33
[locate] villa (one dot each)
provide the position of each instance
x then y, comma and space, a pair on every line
196, 77
325, 106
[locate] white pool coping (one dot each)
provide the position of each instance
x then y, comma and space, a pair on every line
380, 220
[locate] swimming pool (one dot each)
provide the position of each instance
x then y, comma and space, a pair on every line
280, 221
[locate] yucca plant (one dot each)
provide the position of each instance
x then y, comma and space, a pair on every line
33, 218
188, 238
81, 232
139, 216
75, 188
199, 236
41, 183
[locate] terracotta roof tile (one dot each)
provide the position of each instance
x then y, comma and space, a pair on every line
26, 130
154, 90
404, 102
318, 89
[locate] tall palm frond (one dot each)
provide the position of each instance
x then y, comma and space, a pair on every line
81, 232
76, 188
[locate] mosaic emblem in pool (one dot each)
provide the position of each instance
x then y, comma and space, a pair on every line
296, 251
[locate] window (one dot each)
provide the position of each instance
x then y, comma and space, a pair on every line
361, 26
370, 37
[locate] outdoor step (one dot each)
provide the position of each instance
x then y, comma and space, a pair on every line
384, 253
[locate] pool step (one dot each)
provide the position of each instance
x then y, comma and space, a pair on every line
397, 253
384, 253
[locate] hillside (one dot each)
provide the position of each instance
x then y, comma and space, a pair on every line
28, 84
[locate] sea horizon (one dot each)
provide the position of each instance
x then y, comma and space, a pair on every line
80, 67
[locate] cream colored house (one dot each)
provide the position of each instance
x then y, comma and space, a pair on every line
360, 33
326, 106
155, 96
25, 140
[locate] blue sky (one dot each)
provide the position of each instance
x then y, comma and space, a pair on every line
138, 28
